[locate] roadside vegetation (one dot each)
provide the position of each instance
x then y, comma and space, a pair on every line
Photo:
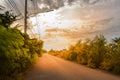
96, 53
17, 51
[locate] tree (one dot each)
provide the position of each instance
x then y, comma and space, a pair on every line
7, 19
97, 51
116, 40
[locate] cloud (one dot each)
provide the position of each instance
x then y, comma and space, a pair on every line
96, 17
49, 5
76, 33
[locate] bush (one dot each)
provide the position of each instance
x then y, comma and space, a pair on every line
111, 60
96, 53
16, 52
11, 43
82, 49
7, 19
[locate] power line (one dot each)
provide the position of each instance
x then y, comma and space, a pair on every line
9, 5
12, 5
36, 11
37, 18
16, 7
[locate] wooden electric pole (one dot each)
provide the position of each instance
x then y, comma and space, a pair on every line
25, 18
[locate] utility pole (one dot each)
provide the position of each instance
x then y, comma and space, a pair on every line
25, 18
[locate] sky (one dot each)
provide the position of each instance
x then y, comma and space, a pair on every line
61, 23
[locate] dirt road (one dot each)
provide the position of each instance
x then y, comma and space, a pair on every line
52, 68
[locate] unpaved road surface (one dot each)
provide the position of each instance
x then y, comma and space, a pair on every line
52, 68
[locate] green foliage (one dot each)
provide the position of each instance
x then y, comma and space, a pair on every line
116, 40
96, 53
11, 43
35, 46
82, 49
111, 60
7, 19
72, 54
61, 53
44, 51
17, 51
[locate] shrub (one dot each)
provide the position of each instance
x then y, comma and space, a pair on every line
96, 53
16, 52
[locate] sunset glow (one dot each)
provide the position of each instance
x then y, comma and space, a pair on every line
60, 39
66, 25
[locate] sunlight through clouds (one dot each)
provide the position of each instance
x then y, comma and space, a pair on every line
53, 20
80, 20
63, 22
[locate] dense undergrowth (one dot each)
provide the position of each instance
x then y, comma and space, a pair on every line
17, 51
96, 53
